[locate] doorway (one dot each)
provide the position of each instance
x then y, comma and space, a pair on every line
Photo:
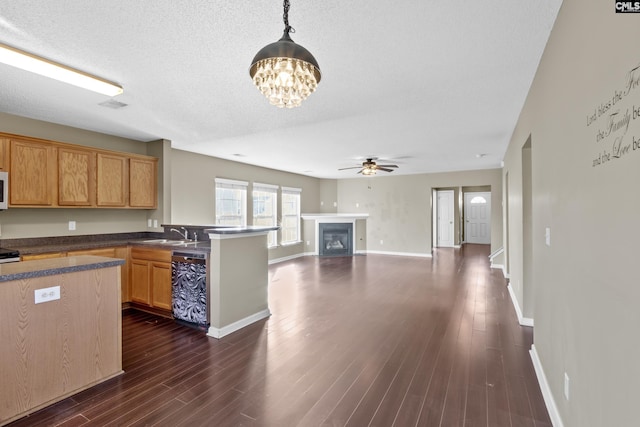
477, 214
444, 218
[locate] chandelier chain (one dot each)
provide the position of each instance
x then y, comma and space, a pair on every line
285, 17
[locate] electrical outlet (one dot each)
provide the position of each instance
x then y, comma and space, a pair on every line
308, 243
566, 386
47, 294
72, 225
335, 204
382, 242
149, 223
155, 223
357, 205
547, 236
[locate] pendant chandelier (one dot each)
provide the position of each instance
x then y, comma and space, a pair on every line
285, 72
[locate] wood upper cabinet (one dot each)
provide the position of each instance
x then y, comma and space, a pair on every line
4, 154
143, 183
32, 178
113, 179
76, 176
54, 174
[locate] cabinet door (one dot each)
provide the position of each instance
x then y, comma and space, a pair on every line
112, 173
140, 290
76, 177
32, 174
161, 285
4, 154
142, 183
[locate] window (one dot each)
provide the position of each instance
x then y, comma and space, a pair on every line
265, 209
478, 200
231, 202
290, 215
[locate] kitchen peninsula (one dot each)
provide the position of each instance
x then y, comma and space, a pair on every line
60, 328
239, 277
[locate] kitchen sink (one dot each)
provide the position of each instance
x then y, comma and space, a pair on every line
169, 242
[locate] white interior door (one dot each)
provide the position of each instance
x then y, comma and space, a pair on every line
477, 218
445, 218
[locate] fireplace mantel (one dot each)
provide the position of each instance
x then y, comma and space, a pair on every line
319, 218
334, 217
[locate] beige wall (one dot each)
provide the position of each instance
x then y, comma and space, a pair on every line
584, 285
399, 207
193, 190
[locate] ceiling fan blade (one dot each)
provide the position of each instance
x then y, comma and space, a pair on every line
387, 166
354, 167
360, 171
384, 169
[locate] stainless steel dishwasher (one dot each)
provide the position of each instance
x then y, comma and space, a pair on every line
189, 299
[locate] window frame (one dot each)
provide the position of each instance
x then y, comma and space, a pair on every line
272, 238
232, 184
286, 191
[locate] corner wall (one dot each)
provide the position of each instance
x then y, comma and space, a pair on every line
583, 116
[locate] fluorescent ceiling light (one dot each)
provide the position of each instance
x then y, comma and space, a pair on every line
35, 64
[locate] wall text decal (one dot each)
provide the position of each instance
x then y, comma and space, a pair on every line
615, 121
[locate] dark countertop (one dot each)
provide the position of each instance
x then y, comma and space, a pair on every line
32, 246
239, 230
53, 266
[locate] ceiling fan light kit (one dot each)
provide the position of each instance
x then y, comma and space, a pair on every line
285, 72
370, 167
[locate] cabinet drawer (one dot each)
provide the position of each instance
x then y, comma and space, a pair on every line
160, 255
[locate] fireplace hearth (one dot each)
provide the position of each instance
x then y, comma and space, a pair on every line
335, 239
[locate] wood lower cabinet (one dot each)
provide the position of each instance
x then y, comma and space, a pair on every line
161, 285
150, 271
115, 252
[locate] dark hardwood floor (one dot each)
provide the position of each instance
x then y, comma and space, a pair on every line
367, 340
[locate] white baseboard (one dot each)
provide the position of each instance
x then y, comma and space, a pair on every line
501, 267
524, 321
290, 257
226, 330
413, 254
549, 401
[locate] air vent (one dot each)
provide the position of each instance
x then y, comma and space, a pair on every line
111, 103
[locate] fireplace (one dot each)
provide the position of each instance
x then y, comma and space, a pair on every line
335, 239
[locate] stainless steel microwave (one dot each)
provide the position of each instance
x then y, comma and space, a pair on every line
4, 190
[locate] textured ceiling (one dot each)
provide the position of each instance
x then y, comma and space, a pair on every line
428, 84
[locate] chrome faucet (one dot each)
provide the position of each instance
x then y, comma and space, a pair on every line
186, 232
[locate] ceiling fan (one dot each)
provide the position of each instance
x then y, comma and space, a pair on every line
370, 167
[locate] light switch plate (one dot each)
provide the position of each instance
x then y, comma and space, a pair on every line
72, 225
547, 236
47, 294
155, 223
